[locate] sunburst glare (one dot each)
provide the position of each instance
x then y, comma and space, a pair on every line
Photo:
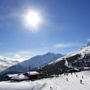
32, 19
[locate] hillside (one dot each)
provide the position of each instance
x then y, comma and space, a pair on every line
40, 60
76, 59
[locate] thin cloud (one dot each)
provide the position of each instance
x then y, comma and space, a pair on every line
9, 15
25, 55
65, 45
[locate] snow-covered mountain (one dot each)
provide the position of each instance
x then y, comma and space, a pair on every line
6, 63
40, 60
77, 59
34, 62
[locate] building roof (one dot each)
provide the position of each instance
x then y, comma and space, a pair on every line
33, 73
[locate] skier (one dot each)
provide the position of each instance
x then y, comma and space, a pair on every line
76, 75
80, 81
66, 79
82, 77
51, 88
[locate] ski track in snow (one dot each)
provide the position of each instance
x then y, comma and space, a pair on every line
63, 82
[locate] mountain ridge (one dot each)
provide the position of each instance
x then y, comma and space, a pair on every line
77, 59
31, 64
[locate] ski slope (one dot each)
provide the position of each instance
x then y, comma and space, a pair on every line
63, 82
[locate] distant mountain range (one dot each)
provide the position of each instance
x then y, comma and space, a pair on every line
33, 63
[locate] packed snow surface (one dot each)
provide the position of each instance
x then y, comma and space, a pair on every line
63, 82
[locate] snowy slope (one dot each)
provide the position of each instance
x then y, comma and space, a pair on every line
83, 51
40, 60
77, 59
63, 82
6, 62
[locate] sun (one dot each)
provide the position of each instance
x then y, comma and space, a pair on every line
32, 19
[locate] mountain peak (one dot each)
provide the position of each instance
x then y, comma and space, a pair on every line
48, 53
35, 62
53, 54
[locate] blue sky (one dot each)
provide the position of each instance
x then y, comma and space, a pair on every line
65, 27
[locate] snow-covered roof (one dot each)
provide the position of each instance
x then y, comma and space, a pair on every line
86, 67
11, 75
33, 73
17, 76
